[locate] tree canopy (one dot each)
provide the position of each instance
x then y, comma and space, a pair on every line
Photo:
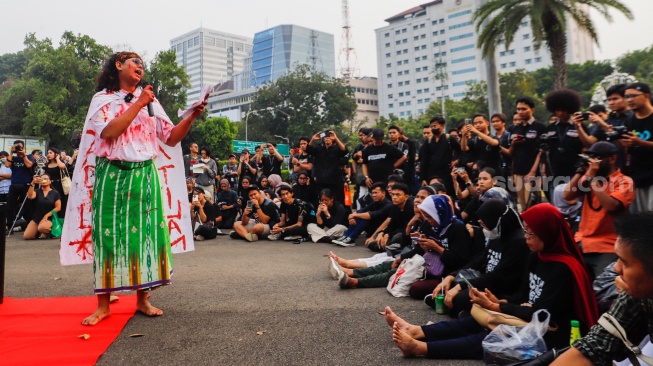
499, 20
298, 104
46, 90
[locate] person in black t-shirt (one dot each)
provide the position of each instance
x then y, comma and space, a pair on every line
499, 121
304, 190
203, 214
328, 161
46, 200
301, 161
330, 219
247, 167
483, 146
270, 163
436, 155
258, 217
409, 148
390, 234
639, 145
563, 140
525, 151
293, 216
380, 159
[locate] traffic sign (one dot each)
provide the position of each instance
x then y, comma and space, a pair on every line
239, 145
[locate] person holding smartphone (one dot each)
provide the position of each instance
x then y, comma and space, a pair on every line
259, 216
270, 163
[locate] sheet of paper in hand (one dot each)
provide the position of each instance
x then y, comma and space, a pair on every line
206, 90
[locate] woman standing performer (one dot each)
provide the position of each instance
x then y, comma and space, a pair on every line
130, 234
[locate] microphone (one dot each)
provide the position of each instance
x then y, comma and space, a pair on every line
150, 109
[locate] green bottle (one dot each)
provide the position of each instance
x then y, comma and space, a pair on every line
575, 332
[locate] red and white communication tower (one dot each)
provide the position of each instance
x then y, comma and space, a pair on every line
347, 57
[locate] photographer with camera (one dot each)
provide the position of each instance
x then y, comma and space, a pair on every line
607, 194
563, 140
639, 145
21, 165
270, 163
328, 162
482, 146
202, 214
46, 199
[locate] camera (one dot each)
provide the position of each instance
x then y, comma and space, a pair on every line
325, 133
617, 133
583, 160
586, 116
546, 139
18, 148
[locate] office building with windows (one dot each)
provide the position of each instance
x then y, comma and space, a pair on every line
210, 56
275, 53
367, 99
429, 52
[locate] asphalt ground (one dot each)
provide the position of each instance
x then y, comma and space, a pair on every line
227, 291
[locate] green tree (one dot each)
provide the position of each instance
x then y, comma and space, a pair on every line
169, 81
548, 20
299, 104
638, 63
50, 99
216, 133
581, 77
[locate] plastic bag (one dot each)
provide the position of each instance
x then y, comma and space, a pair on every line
409, 271
605, 288
508, 343
57, 225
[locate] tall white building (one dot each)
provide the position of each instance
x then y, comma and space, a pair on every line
210, 56
441, 32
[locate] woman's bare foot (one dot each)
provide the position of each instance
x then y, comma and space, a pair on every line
415, 331
99, 315
102, 312
348, 272
408, 345
143, 305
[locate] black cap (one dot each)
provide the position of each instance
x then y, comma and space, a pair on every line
252, 188
643, 87
378, 134
232, 155
245, 151
603, 148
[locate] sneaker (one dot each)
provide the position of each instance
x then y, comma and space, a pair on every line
292, 238
334, 269
199, 237
429, 301
340, 238
325, 239
300, 240
274, 236
219, 232
343, 280
346, 242
234, 235
251, 237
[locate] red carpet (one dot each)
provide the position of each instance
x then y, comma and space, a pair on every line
44, 331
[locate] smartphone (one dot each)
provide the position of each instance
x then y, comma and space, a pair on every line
517, 137
468, 121
195, 198
469, 285
416, 238
249, 204
460, 170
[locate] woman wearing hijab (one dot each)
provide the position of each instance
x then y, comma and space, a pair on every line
555, 280
444, 239
506, 254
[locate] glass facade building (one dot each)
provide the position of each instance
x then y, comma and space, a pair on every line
276, 52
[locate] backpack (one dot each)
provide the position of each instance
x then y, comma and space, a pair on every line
308, 211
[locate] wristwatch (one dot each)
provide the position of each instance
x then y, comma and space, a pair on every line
366, 177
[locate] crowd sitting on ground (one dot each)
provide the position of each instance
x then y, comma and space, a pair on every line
479, 203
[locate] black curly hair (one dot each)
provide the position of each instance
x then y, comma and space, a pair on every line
108, 77
566, 100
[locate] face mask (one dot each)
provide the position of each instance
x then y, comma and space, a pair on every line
492, 234
3, 160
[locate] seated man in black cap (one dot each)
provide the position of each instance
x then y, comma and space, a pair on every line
259, 216
607, 194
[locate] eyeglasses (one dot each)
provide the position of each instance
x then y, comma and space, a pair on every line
136, 61
632, 96
529, 234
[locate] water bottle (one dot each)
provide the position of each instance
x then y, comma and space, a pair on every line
575, 332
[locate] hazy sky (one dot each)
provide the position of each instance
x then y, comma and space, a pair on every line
148, 26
